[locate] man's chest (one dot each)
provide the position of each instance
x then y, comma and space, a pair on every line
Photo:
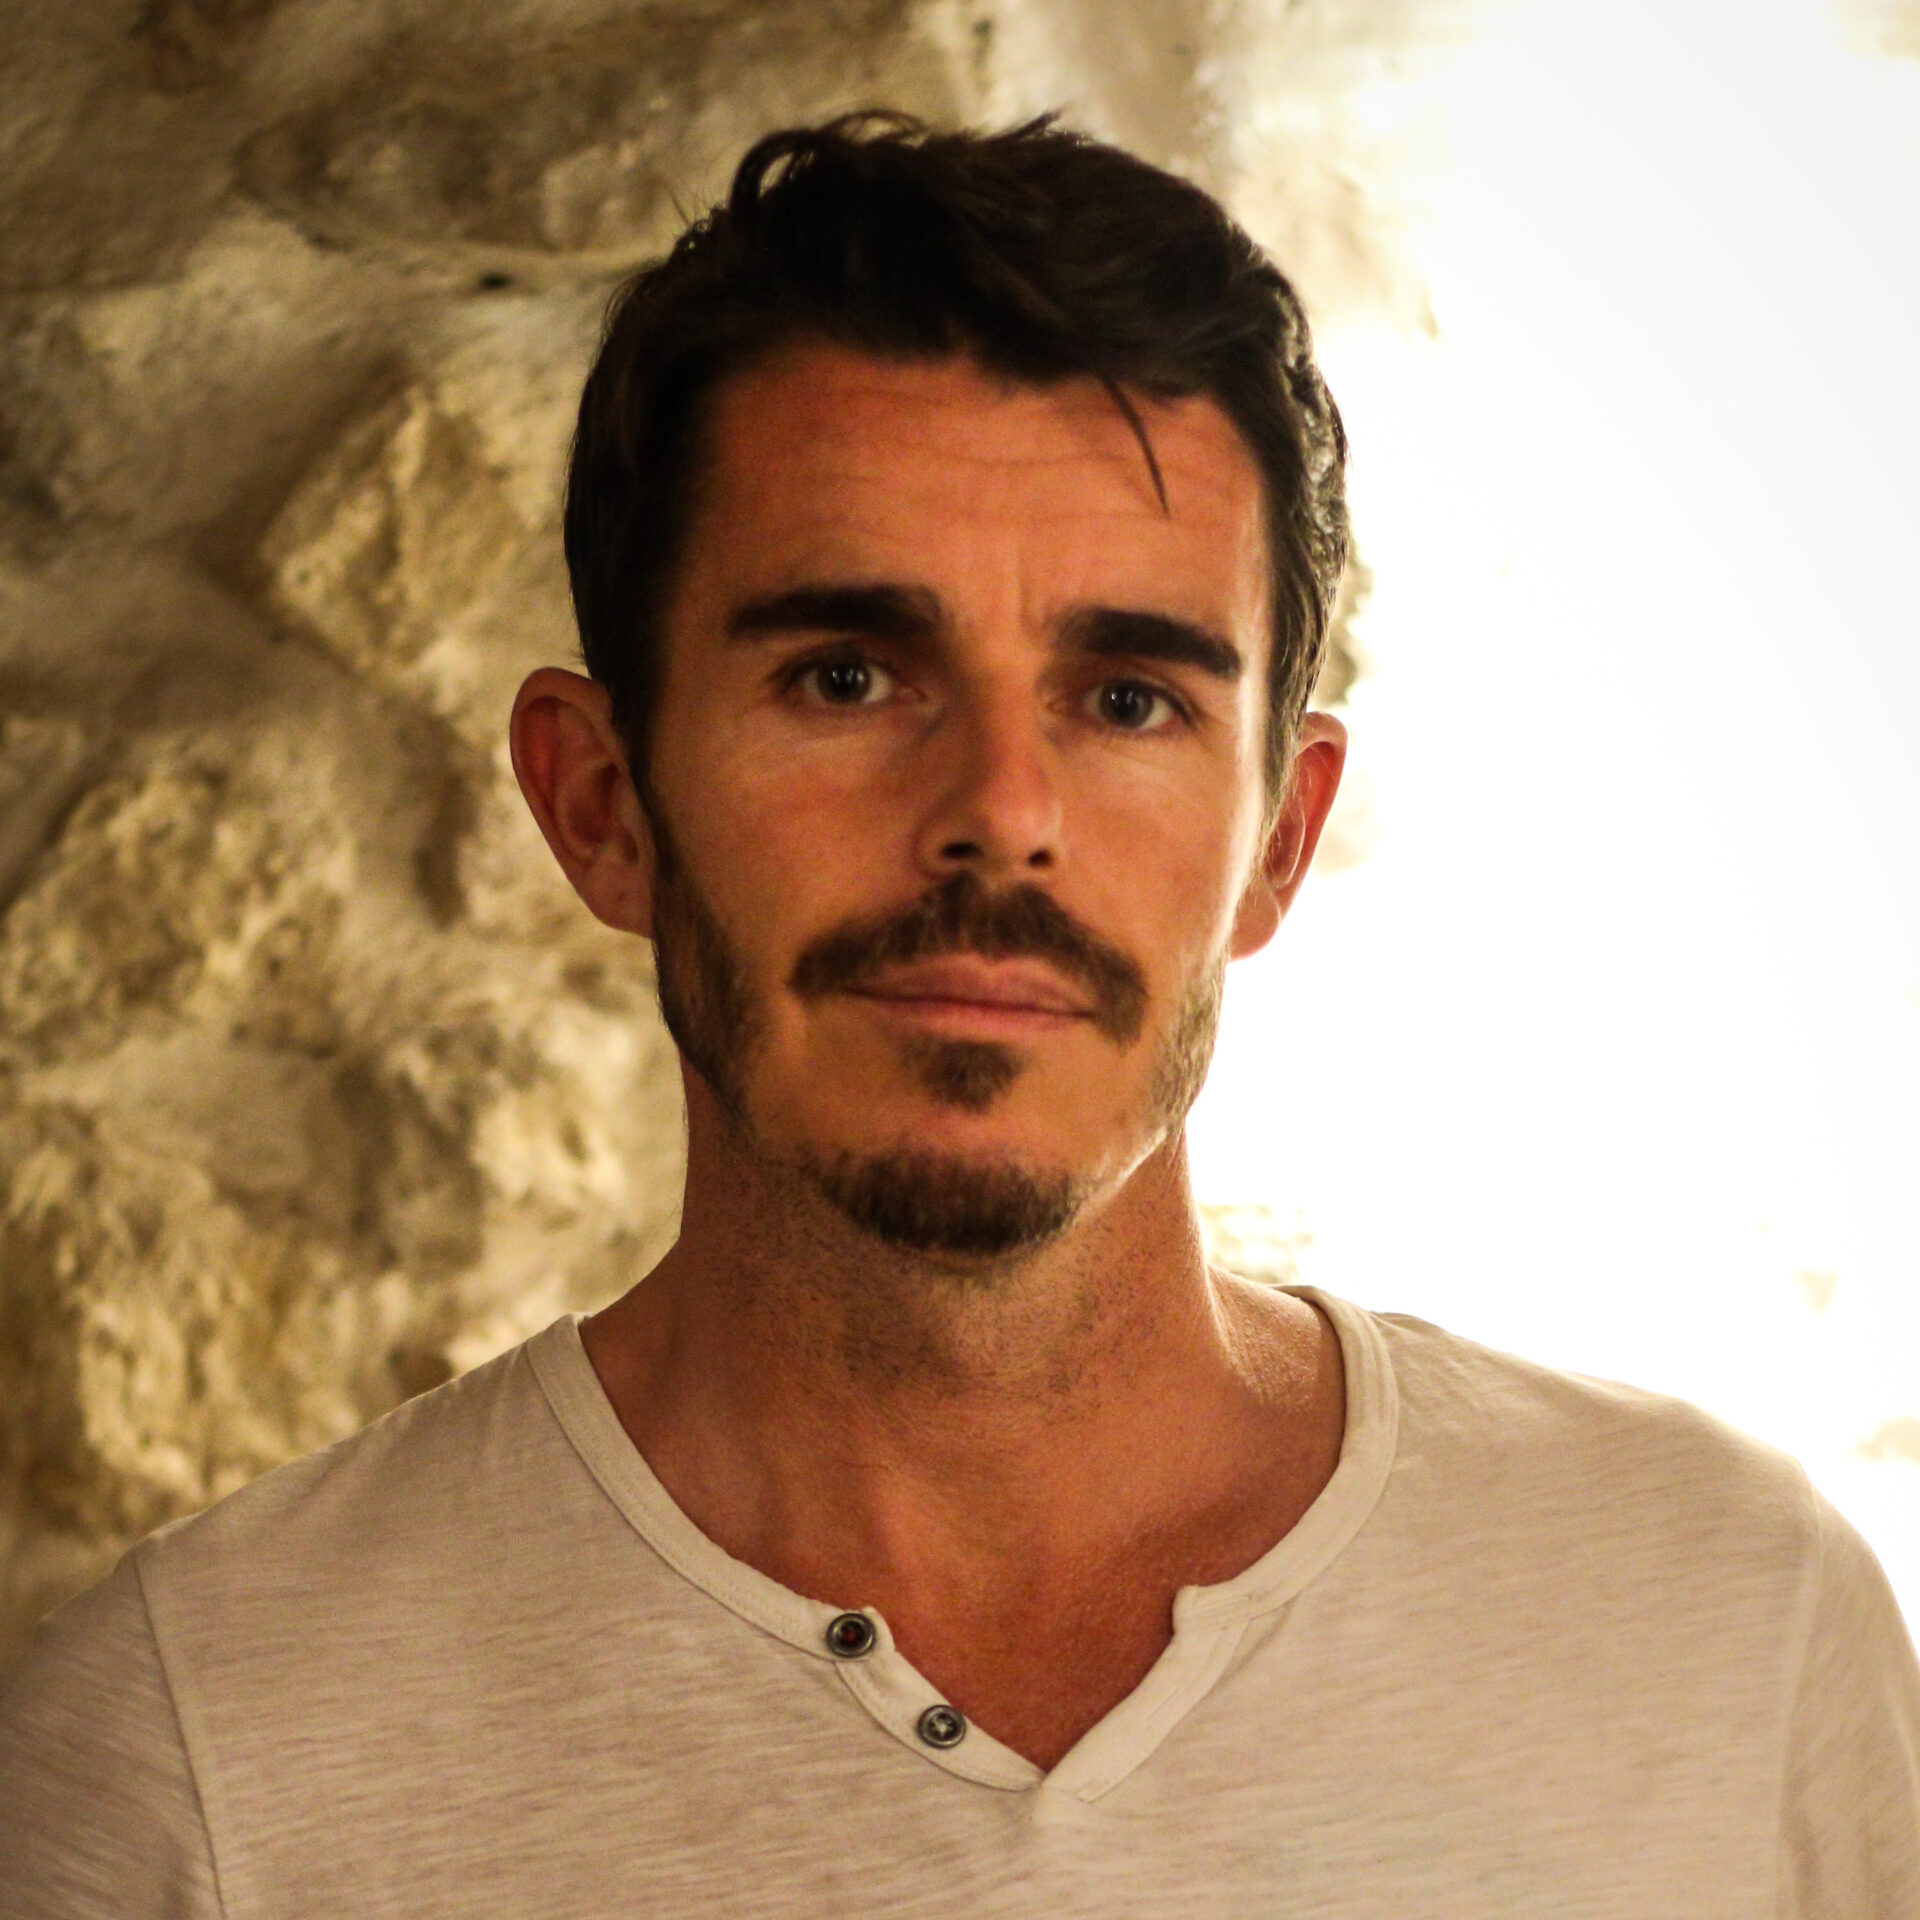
792, 1808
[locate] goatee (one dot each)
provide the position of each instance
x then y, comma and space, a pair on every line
922, 1202
931, 1203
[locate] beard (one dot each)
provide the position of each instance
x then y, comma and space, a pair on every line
920, 1202
938, 1204
932, 1203
705, 999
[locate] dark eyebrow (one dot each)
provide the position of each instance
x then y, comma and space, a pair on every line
880, 611
1122, 633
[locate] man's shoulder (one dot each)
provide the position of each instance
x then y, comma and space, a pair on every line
421, 1492
326, 1594
1607, 1466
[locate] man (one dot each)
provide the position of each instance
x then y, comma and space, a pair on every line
953, 522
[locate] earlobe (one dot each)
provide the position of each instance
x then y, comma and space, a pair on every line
573, 773
1257, 919
1313, 779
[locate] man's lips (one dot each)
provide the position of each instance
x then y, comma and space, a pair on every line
961, 957
963, 985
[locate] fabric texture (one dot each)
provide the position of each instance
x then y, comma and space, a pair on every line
1544, 1645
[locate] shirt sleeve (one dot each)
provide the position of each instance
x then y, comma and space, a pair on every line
99, 1813
1850, 1818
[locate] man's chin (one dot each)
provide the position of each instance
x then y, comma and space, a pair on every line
943, 1204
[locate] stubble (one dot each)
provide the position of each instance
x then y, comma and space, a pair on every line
921, 1202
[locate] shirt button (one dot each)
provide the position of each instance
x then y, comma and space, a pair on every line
849, 1635
942, 1727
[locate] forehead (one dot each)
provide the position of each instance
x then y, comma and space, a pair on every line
822, 460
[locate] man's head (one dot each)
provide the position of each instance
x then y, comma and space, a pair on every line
952, 524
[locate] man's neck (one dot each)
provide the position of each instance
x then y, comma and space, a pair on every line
957, 1447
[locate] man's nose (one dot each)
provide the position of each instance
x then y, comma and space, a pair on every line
995, 796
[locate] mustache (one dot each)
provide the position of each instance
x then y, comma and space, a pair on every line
961, 916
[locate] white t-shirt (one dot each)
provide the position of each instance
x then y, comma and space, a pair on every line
1543, 1646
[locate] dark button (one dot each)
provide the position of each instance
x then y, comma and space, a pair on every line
850, 1635
943, 1727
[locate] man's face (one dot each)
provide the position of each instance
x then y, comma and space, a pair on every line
957, 782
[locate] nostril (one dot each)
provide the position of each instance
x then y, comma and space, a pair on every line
1040, 859
961, 850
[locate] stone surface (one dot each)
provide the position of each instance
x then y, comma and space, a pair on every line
316, 1085
574, 146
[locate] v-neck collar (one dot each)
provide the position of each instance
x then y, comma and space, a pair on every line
1208, 1622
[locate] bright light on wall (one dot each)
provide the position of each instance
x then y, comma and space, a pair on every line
1609, 1051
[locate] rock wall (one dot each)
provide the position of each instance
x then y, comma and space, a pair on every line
316, 1085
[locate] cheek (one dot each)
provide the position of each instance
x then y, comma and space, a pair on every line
829, 819
1163, 869
782, 850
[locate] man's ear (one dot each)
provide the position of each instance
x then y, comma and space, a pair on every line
573, 771
1313, 778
